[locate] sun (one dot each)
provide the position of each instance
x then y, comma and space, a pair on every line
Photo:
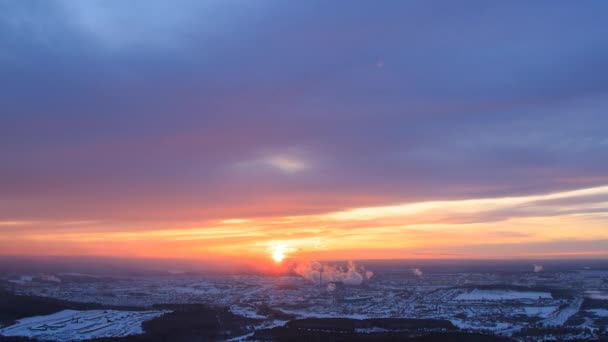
278, 253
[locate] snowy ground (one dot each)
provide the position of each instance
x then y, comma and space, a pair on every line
466, 299
560, 317
70, 325
602, 295
494, 326
599, 312
477, 294
541, 311
246, 312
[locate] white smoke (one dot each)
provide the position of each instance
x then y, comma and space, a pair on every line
538, 268
49, 278
319, 273
417, 272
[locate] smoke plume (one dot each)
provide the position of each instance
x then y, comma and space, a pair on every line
320, 273
538, 268
417, 272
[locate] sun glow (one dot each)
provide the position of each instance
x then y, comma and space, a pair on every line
508, 226
278, 253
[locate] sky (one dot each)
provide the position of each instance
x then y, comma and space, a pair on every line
318, 129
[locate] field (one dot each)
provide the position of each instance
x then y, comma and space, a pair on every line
69, 325
478, 294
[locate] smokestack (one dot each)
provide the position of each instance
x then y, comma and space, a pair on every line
321, 277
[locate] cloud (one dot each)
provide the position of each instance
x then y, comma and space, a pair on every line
144, 114
271, 163
151, 24
428, 231
287, 164
487, 209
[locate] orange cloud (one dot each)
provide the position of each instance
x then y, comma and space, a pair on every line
455, 228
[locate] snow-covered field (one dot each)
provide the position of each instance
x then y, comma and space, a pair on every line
71, 325
560, 317
602, 295
477, 294
541, 311
599, 312
494, 326
246, 312
504, 303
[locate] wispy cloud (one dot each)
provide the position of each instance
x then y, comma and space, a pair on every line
400, 230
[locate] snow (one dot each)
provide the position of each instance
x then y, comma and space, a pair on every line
477, 294
22, 280
307, 314
476, 325
246, 312
542, 311
50, 277
71, 325
241, 338
599, 312
597, 295
560, 317
370, 330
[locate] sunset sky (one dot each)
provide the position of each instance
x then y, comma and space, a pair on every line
314, 129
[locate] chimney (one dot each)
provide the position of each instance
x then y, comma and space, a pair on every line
321, 277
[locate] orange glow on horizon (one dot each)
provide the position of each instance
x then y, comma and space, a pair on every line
563, 223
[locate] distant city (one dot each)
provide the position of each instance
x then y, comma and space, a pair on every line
517, 300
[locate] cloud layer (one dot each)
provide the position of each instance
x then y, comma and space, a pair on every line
142, 116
